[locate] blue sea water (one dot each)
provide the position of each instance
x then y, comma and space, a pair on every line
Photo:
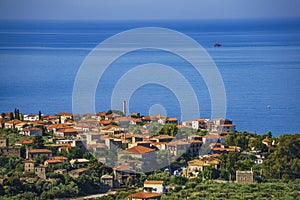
259, 62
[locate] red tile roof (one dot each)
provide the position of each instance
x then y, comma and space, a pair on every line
53, 161
138, 150
144, 195
39, 151
153, 182
27, 141
14, 121
64, 114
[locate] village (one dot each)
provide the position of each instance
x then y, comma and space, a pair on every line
128, 145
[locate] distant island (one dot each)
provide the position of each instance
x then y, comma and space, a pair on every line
119, 156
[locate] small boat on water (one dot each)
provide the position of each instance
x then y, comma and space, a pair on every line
217, 45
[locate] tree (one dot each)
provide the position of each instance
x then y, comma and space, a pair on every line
40, 115
38, 142
11, 116
284, 161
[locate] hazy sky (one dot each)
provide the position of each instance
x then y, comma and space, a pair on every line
147, 9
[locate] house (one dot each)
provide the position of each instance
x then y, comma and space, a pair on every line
31, 117
39, 170
244, 177
171, 120
29, 165
77, 172
65, 116
66, 132
267, 142
53, 162
9, 150
197, 165
159, 118
56, 127
223, 125
2, 122
24, 142
107, 180
31, 131
12, 123
79, 161
136, 121
162, 138
144, 195
35, 153
177, 147
194, 148
138, 152
122, 173
227, 128
213, 138
155, 186
200, 124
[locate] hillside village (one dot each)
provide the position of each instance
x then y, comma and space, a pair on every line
126, 146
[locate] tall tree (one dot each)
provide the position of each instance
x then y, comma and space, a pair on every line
40, 115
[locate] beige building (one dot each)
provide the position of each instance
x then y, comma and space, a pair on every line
155, 186
35, 153
244, 177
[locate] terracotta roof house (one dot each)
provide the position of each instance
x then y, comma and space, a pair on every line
171, 120
53, 162
32, 131
197, 165
66, 132
24, 142
77, 172
175, 146
35, 153
12, 123
144, 195
138, 152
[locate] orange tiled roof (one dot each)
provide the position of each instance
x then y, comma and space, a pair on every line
56, 126
39, 151
32, 129
138, 150
124, 168
227, 125
153, 182
147, 118
101, 114
14, 121
80, 170
172, 119
64, 114
53, 161
27, 141
212, 136
144, 195
177, 142
67, 130
195, 141
58, 158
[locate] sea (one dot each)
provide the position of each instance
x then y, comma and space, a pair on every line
258, 60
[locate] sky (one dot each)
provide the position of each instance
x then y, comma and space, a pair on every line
146, 9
